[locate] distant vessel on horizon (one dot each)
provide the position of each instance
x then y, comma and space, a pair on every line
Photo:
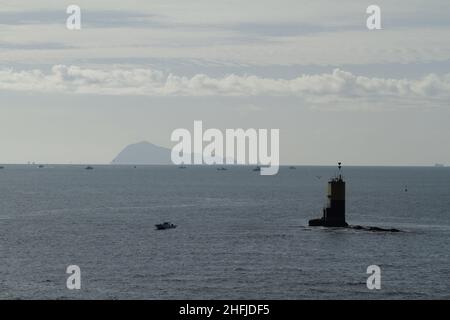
165, 226
89, 168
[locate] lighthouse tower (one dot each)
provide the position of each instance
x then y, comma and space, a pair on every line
334, 213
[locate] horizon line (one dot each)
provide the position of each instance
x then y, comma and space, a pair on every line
435, 165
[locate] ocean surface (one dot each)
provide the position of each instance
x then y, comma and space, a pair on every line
239, 236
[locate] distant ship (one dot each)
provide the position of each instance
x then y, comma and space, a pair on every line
182, 167
258, 168
2, 167
41, 166
292, 168
165, 225
222, 169
89, 168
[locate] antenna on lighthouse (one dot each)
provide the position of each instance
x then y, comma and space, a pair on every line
340, 167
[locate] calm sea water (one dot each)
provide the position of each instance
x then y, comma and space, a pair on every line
239, 235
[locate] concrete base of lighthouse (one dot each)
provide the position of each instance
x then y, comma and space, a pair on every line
326, 223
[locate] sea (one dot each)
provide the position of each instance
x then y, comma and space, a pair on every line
239, 235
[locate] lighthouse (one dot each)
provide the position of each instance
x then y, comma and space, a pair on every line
334, 212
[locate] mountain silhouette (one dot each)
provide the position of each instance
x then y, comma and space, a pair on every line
143, 153
146, 153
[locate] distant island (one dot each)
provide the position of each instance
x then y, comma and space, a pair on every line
143, 153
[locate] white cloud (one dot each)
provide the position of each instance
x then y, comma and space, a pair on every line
317, 88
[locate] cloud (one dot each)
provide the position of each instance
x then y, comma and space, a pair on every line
248, 33
90, 18
315, 88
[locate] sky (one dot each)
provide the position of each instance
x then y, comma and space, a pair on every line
139, 69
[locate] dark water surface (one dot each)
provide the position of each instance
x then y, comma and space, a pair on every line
239, 235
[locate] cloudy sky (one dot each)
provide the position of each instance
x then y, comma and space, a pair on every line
139, 69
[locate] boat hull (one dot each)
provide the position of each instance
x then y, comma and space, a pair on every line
164, 227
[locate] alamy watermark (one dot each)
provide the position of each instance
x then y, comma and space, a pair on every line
73, 22
374, 20
236, 146
74, 280
374, 280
